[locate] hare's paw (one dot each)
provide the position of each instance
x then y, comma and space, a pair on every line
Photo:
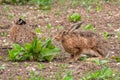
70, 60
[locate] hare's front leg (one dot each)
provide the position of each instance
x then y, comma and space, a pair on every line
71, 58
75, 56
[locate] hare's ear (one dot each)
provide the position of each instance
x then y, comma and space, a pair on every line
21, 22
75, 26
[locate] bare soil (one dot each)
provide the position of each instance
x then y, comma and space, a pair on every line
108, 19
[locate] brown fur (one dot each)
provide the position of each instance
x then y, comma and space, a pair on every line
20, 33
80, 42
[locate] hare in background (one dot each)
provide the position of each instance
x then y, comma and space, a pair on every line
20, 33
82, 42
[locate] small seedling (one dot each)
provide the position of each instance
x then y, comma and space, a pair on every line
15, 1
106, 35
4, 34
100, 62
27, 64
59, 27
43, 4
41, 66
63, 66
103, 74
57, 13
34, 76
60, 72
89, 8
119, 34
84, 58
75, 3
11, 16
15, 63
98, 8
116, 58
61, 1
75, 17
49, 26
6, 8
19, 77
1, 57
68, 76
38, 30
90, 27
109, 25
2, 67
23, 16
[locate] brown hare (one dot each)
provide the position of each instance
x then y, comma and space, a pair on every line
20, 33
86, 42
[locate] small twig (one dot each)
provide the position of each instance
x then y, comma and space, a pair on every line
4, 47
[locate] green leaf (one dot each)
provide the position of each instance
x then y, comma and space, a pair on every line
104, 61
68, 76
119, 34
59, 27
41, 66
34, 42
38, 46
102, 74
75, 17
1, 57
48, 54
48, 42
106, 72
106, 35
6, 8
38, 30
90, 27
13, 53
28, 46
2, 67
117, 58
17, 47
100, 62
11, 16
49, 26
98, 8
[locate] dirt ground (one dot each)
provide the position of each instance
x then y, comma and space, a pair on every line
108, 19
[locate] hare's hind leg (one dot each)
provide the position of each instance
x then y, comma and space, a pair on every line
92, 53
97, 54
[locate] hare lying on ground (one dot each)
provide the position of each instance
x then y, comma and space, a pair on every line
86, 42
20, 33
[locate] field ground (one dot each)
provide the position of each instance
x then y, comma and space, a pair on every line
107, 20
